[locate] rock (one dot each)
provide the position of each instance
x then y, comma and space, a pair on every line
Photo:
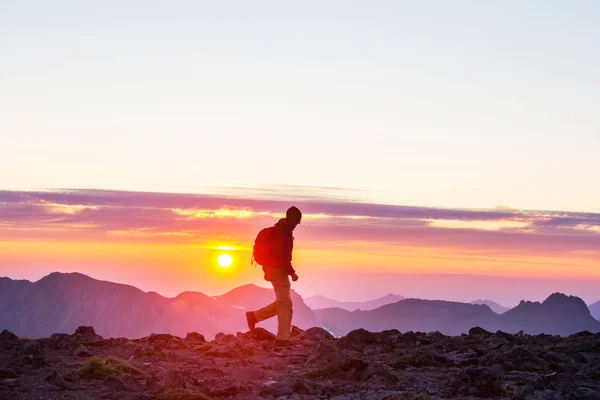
195, 338
8, 336
7, 374
166, 341
317, 334
57, 379
296, 332
224, 338
82, 351
584, 393
358, 339
479, 381
32, 349
478, 331
87, 334
506, 336
58, 341
277, 389
175, 378
262, 334
521, 358
227, 351
305, 386
124, 383
582, 334
12, 382
407, 338
34, 361
435, 335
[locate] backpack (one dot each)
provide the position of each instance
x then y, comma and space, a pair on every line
264, 245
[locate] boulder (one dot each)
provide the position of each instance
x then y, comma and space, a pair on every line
87, 334
296, 332
32, 349
166, 341
262, 334
483, 382
478, 331
8, 336
317, 334
195, 338
358, 339
81, 351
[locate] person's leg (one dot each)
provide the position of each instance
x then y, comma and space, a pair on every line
281, 284
267, 311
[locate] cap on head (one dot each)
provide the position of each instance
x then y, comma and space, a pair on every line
293, 215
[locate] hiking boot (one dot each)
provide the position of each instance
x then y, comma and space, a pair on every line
251, 319
283, 342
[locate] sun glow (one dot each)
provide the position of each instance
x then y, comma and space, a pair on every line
225, 260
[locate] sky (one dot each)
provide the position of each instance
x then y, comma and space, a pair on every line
420, 137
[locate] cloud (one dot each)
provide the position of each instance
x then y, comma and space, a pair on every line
172, 217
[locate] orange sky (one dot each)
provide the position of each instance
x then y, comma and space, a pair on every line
170, 243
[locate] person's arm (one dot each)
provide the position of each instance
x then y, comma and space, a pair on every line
288, 247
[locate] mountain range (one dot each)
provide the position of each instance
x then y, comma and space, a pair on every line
497, 308
62, 302
558, 314
317, 302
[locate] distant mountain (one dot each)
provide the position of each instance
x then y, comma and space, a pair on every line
451, 318
62, 302
318, 302
595, 309
497, 308
558, 314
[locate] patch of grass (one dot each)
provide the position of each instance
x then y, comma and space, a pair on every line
100, 368
181, 394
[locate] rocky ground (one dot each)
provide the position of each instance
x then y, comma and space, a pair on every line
362, 365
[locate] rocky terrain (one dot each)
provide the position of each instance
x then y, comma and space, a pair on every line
388, 365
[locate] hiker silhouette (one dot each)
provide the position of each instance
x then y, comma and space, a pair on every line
273, 250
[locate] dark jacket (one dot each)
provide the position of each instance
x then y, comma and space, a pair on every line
285, 247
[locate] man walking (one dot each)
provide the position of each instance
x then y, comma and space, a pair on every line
273, 250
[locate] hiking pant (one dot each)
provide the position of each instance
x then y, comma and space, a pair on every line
282, 306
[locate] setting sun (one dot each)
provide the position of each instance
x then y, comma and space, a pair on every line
225, 260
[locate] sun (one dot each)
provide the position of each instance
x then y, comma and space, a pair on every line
225, 260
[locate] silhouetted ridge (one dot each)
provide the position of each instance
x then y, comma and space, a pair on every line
62, 302
495, 307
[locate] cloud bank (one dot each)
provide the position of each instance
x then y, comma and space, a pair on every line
193, 218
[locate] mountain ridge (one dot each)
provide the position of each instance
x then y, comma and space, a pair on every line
61, 302
320, 301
